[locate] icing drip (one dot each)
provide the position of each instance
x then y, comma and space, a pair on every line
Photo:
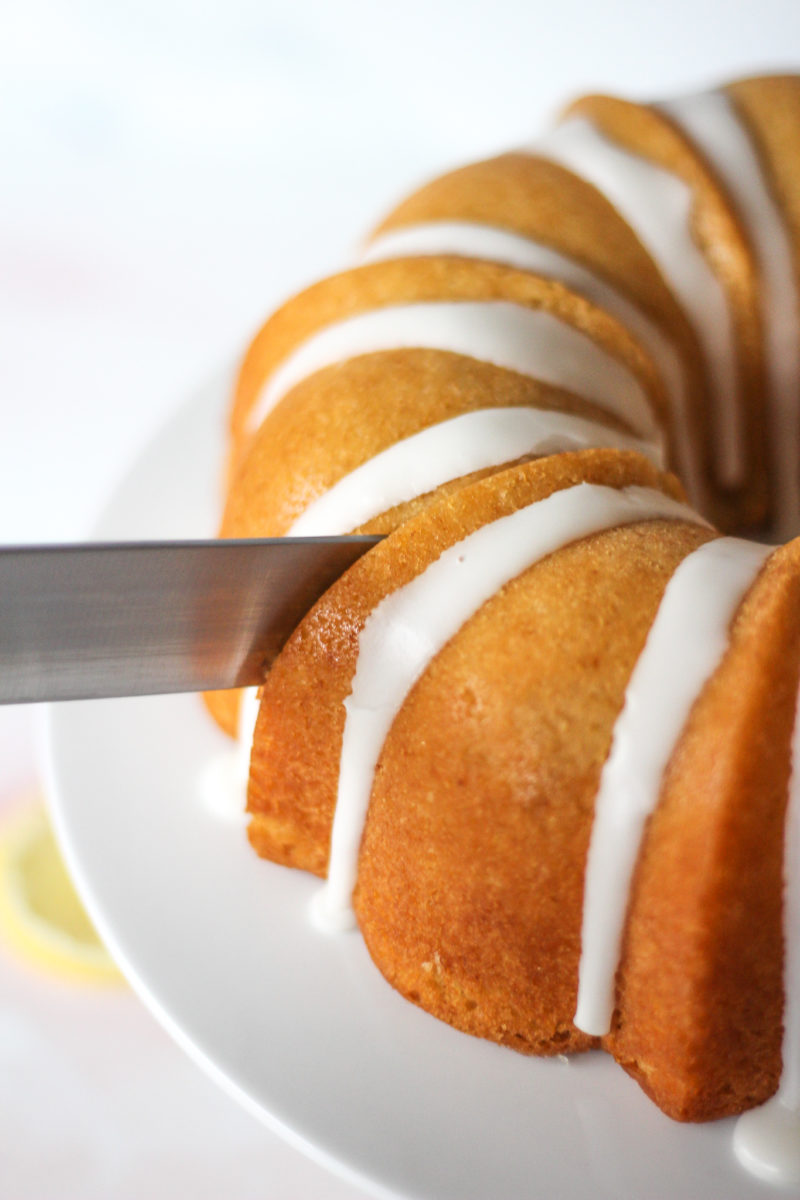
491, 244
710, 120
767, 1139
470, 442
249, 705
657, 205
223, 785
683, 649
530, 341
409, 627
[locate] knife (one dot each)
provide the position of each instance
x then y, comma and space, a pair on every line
102, 619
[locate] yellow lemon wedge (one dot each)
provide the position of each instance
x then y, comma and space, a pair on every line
41, 916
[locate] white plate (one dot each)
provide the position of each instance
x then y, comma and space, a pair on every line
299, 1026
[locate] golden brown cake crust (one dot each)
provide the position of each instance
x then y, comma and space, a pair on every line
769, 106
543, 201
295, 753
701, 998
359, 408
717, 229
418, 280
470, 880
539, 199
476, 799
364, 405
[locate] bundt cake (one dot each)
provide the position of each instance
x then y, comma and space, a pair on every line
539, 739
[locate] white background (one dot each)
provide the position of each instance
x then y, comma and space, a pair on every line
170, 171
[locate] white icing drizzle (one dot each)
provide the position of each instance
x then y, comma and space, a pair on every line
657, 205
219, 788
409, 627
249, 704
470, 442
711, 121
530, 341
492, 244
223, 784
767, 1139
683, 649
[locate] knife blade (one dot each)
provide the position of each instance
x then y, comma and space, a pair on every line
99, 619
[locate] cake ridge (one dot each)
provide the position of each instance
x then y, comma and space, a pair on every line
435, 604
526, 340
447, 451
711, 121
658, 206
484, 241
685, 645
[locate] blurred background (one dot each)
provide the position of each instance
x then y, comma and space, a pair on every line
169, 172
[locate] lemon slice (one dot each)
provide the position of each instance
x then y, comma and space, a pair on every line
40, 913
